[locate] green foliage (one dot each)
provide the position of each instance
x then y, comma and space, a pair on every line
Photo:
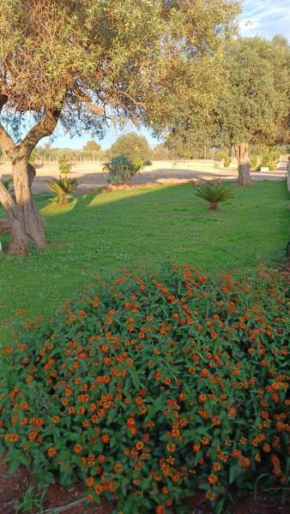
133, 146
227, 161
138, 63
275, 153
254, 159
33, 157
214, 193
255, 103
63, 188
270, 158
160, 152
139, 163
30, 501
92, 146
7, 183
131, 227
220, 156
63, 164
120, 170
149, 386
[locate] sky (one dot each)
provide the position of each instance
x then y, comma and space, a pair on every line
264, 18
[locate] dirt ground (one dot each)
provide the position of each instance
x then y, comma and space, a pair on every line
91, 175
58, 499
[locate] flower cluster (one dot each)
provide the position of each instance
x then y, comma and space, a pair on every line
149, 387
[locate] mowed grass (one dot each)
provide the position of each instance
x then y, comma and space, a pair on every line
105, 232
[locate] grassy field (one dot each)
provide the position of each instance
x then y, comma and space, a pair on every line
148, 226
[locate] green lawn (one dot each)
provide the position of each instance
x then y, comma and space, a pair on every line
145, 226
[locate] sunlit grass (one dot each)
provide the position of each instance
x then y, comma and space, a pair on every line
146, 226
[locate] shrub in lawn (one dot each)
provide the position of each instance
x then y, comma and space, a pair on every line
214, 193
254, 159
227, 161
220, 156
149, 387
63, 164
120, 170
63, 188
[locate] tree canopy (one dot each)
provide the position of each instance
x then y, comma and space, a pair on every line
83, 62
252, 107
133, 146
256, 104
92, 146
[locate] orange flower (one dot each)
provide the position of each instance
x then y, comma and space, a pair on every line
212, 479
232, 411
105, 438
51, 452
99, 489
78, 448
216, 421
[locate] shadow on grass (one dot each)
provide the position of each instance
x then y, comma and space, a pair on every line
104, 232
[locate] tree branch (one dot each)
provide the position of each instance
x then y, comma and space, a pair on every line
83, 97
43, 128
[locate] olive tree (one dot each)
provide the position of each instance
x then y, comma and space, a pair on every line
82, 62
249, 106
255, 106
133, 146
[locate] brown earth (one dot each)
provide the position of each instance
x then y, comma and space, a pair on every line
91, 175
72, 501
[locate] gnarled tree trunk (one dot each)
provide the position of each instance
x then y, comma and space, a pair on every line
22, 188
26, 224
17, 238
242, 155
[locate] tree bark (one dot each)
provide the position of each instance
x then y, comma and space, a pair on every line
213, 206
22, 189
17, 238
26, 222
242, 155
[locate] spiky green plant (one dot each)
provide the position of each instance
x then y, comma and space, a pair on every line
63, 188
63, 164
214, 193
120, 170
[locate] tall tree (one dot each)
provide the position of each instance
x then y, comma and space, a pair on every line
251, 106
80, 62
92, 146
255, 107
133, 146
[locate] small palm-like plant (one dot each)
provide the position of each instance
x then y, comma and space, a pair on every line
214, 193
120, 170
63, 188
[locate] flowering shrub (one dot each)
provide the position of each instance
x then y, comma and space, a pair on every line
148, 388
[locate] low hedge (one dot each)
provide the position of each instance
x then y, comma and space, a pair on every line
150, 387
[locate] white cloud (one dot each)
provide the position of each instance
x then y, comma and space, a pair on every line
265, 18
